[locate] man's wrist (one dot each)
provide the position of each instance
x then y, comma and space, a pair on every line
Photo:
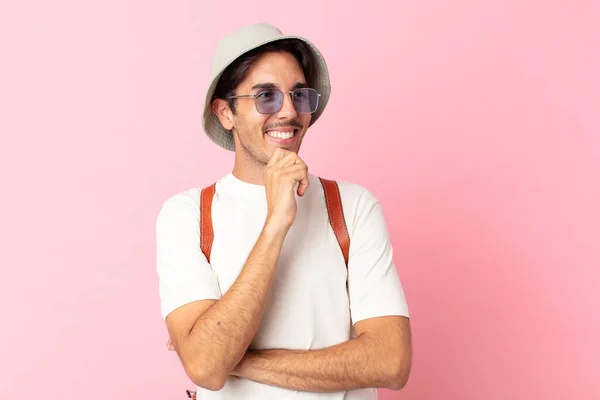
275, 229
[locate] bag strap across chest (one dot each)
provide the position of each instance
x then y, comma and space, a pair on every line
335, 211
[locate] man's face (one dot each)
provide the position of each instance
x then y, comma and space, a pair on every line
258, 135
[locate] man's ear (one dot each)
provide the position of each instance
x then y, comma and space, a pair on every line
220, 108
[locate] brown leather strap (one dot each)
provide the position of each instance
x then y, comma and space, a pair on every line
336, 215
206, 226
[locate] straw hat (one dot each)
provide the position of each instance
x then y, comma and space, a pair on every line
240, 42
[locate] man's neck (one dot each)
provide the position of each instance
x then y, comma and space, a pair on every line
248, 171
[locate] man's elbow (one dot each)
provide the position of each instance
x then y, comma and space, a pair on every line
398, 373
398, 382
206, 378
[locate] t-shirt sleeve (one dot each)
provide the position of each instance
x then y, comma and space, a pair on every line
374, 285
184, 274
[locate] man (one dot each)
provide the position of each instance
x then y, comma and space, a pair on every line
257, 295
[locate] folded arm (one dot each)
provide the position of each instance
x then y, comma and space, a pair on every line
211, 336
380, 356
210, 332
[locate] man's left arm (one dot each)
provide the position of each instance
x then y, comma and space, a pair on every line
380, 356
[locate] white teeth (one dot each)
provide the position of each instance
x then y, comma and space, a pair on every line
281, 135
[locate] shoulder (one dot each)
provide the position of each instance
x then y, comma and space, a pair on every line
180, 212
358, 202
356, 197
186, 202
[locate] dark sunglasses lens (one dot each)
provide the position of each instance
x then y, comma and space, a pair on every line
269, 101
306, 100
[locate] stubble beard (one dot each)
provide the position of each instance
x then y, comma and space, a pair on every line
252, 153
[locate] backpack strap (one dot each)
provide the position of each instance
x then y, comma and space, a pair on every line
206, 227
336, 215
335, 211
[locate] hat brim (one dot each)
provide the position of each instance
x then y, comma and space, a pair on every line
321, 83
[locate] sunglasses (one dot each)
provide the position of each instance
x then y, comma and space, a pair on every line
270, 101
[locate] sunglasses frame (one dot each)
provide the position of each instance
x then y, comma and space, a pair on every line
283, 92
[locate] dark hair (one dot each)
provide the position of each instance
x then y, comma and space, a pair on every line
235, 73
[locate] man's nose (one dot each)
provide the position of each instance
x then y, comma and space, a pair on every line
288, 111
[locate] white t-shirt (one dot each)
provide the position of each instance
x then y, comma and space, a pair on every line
309, 305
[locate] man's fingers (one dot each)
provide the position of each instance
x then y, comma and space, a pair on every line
277, 155
297, 173
303, 185
289, 164
285, 161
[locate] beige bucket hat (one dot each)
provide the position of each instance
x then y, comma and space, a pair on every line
240, 42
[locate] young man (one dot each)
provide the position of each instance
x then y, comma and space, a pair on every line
271, 286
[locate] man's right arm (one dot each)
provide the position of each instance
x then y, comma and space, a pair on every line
212, 336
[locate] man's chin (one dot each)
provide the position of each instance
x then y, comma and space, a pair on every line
271, 150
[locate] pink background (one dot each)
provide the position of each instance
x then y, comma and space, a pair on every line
474, 122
